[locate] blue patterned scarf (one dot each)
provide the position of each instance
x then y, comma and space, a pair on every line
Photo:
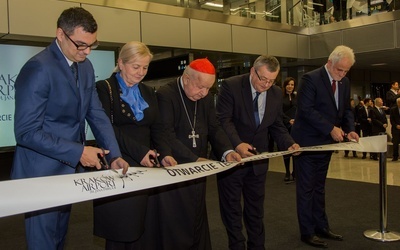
132, 96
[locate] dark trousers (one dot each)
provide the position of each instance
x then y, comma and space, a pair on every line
396, 141
47, 229
115, 245
286, 160
366, 131
311, 171
231, 185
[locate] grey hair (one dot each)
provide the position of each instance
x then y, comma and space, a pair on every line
341, 52
270, 62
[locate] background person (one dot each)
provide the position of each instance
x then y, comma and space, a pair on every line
365, 121
395, 122
340, 10
354, 110
392, 95
289, 107
249, 107
378, 121
133, 109
51, 106
323, 116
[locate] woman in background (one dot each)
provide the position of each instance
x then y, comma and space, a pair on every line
134, 114
289, 106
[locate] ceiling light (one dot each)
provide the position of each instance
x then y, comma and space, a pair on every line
217, 5
379, 64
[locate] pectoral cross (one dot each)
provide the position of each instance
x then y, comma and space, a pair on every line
193, 136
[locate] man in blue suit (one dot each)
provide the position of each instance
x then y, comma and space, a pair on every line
323, 116
52, 103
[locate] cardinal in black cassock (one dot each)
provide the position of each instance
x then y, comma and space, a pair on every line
188, 113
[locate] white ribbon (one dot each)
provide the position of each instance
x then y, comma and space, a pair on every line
24, 195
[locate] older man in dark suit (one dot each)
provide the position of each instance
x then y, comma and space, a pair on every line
249, 107
323, 116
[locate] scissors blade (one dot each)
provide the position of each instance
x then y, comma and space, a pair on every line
104, 163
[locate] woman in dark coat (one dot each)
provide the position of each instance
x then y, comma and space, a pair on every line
289, 106
133, 110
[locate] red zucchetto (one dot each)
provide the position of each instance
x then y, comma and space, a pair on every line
203, 65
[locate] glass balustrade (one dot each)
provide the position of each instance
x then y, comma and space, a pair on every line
306, 13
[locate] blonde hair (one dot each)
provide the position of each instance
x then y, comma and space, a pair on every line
131, 51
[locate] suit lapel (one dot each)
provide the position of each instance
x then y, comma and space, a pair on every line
341, 98
268, 112
328, 85
72, 83
65, 67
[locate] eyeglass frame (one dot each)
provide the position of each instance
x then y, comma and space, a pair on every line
92, 46
266, 80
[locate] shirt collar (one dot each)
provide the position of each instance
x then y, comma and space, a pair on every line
329, 75
253, 90
68, 61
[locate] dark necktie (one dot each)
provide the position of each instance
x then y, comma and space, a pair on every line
333, 86
74, 68
255, 108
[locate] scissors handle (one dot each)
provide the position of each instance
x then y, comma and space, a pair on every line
103, 160
155, 159
253, 151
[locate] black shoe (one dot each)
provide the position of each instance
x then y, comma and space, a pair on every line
328, 234
288, 180
314, 241
363, 157
395, 159
355, 156
345, 156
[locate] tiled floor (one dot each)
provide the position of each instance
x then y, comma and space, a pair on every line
355, 169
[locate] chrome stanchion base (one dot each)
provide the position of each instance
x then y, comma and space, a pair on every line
380, 236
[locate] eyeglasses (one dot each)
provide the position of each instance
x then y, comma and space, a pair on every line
264, 79
82, 46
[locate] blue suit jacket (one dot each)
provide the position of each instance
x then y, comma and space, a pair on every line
316, 109
50, 113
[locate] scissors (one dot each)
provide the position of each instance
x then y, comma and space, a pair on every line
104, 163
345, 139
253, 151
155, 159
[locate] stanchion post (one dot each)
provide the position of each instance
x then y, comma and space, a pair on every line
382, 234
